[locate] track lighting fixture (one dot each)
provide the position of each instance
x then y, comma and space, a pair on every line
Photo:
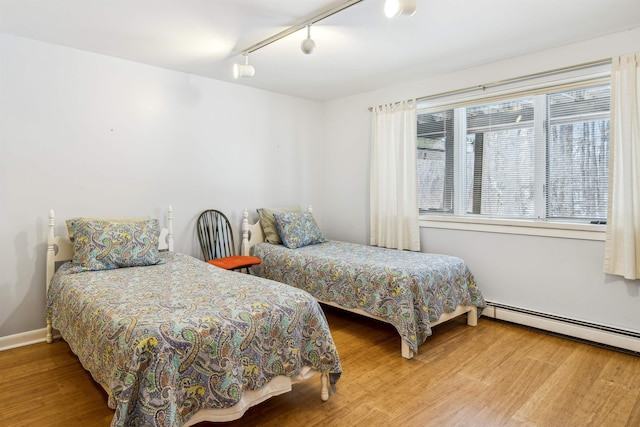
308, 45
393, 8
243, 70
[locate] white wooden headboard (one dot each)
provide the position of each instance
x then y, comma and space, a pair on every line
251, 233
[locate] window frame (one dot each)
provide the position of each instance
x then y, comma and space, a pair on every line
558, 80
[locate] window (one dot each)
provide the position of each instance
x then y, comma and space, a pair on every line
543, 155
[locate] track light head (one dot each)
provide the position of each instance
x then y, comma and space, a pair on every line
243, 70
308, 45
393, 8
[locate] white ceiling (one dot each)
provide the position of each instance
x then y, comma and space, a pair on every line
357, 50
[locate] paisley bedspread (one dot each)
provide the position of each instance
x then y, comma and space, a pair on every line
407, 289
167, 340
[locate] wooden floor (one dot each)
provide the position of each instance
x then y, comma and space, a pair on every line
495, 374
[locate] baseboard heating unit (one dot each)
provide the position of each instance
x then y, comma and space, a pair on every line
571, 328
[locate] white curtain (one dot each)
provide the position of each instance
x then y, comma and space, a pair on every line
394, 180
622, 246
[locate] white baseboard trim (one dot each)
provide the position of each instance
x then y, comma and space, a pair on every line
628, 340
22, 339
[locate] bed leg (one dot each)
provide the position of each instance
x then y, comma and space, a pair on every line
324, 388
49, 331
407, 353
472, 316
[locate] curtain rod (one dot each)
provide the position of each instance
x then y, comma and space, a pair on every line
515, 79
300, 26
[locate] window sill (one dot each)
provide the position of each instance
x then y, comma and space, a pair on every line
523, 227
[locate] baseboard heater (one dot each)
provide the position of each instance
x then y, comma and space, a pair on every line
622, 339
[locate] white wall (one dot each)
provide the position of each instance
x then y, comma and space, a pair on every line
87, 134
551, 275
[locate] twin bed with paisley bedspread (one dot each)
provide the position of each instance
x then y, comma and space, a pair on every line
413, 291
173, 340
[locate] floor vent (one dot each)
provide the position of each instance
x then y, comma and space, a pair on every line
606, 336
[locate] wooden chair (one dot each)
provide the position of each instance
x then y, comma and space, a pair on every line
216, 241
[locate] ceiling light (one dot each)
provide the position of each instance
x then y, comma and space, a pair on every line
313, 20
393, 8
243, 70
308, 45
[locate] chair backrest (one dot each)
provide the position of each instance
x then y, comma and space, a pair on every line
215, 235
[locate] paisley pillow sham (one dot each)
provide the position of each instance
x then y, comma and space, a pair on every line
298, 229
105, 245
72, 222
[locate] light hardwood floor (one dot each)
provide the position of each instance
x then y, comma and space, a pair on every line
495, 374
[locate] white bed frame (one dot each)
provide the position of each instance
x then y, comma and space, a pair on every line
253, 234
60, 249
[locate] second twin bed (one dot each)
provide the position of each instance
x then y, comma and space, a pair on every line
413, 291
